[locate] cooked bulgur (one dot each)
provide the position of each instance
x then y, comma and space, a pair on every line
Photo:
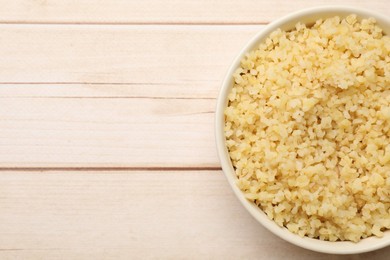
307, 128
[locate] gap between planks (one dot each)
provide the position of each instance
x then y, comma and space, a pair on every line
86, 83
115, 97
135, 23
116, 169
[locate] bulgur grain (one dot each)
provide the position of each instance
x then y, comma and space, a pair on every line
307, 128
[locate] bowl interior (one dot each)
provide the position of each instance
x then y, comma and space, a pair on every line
308, 16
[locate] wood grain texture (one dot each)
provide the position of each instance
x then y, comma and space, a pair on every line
122, 215
107, 132
163, 12
170, 55
126, 96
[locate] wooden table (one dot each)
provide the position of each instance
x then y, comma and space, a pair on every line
106, 130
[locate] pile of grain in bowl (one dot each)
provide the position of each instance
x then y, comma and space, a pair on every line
307, 128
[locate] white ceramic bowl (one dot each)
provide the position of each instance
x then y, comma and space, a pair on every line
288, 22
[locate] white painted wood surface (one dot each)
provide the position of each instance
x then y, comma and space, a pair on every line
163, 12
133, 214
106, 130
114, 96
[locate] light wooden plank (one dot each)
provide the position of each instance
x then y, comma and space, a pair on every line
107, 132
168, 11
170, 55
126, 215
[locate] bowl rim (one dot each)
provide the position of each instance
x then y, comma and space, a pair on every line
343, 247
